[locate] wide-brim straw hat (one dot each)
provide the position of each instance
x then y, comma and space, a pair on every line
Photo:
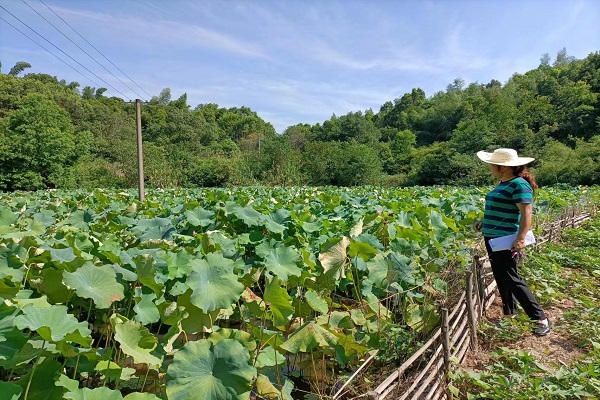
505, 157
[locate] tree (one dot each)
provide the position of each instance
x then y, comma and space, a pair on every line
456, 85
18, 68
37, 145
99, 92
545, 60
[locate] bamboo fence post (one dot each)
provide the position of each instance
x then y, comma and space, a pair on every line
446, 341
471, 311
476, 282
480, 286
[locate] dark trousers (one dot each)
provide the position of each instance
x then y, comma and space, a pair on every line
512, 286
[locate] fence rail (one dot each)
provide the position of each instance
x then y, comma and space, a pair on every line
458, 332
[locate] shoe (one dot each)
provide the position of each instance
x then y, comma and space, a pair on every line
542, 330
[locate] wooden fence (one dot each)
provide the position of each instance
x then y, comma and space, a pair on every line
458, 331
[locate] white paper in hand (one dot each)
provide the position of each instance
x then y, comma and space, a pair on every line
506, 242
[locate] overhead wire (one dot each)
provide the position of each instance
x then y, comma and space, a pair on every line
94, 47
79, 47
59, 49
66, 63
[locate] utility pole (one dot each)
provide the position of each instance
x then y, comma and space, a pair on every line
140, 152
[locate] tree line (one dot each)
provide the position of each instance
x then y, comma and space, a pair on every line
55, 134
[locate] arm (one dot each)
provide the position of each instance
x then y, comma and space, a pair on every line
524, 225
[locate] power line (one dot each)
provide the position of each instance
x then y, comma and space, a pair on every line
59, 49
94, 47
66, 63
68, 38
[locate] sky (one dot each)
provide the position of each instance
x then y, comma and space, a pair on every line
294, 61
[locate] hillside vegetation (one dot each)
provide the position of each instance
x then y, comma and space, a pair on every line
54, 133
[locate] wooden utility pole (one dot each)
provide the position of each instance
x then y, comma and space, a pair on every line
140, 151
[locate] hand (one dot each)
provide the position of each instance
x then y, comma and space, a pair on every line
518, 245
478, 225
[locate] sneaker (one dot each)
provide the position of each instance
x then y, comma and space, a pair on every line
541, 329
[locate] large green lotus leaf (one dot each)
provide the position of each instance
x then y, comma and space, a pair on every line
9, 232
269, 357
37, 228
110, 248
249, 215
12, 340
362, 250
101, 393
316, 302
333, 257
11, 266
277, 221
31, 350
8, 289
7, 217
199, 217
402, 267
203, 371
52, 286
42, 383
53, 324
378, 268
436, 221
178, 264
307, 337
146, 311
282, 262
279, 302
135, 340
64, 255
98, 283
10, 391
46, 217
80, 219
153, 229
213, 283
195, 320
146, 271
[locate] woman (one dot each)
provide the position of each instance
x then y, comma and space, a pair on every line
508, 211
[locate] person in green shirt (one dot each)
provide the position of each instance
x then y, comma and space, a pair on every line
508, 211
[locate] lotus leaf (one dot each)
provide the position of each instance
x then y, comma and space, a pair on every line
201, 370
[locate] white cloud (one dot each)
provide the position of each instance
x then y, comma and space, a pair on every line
161, 32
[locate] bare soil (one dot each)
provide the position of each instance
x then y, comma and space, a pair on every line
558, 348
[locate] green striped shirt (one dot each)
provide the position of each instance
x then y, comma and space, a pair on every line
502, 215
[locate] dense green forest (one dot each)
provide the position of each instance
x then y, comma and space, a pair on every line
55, 134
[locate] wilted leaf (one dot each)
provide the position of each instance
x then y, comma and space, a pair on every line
307, 337
333, 257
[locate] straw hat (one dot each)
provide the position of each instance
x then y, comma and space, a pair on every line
506, 157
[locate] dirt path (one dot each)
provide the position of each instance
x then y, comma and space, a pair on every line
558, 348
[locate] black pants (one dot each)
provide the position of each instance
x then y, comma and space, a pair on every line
512, 286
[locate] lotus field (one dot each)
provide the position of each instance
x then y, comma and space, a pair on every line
224, 293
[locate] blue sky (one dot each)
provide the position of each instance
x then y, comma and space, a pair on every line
300, 61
